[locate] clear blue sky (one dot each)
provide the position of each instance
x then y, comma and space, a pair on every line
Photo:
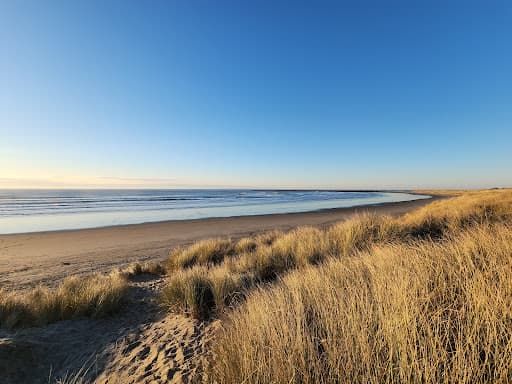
349, 94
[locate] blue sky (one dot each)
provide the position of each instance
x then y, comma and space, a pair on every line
344, 94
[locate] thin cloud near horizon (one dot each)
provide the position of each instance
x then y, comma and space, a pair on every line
163, 183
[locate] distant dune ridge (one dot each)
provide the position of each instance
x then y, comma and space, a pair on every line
424, 297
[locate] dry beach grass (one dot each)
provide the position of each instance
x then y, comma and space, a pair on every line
422, 298
431, 304
95, 296
208, 275
418, 312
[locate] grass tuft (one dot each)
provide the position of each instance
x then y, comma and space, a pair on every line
201, 291
95, 296
191, 292
206, 252
136, 269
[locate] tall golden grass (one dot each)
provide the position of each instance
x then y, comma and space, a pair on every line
422, 312
195, 286
426, 299
95, 295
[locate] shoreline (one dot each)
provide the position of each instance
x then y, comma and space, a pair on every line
321, 210
28, 259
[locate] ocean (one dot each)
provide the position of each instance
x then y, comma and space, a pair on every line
24, 211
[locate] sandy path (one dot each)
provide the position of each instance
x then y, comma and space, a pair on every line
171, 350
30, 259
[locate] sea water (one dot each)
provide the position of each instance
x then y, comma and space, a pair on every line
45, 210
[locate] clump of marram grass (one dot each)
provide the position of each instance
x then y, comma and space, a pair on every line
422, 312
215, 251
190, 292
137, 268
228, 288
201, 291
237, 273
361, 233
267, 264
211, 251
95, 296
245, 245
268, 238
305, 245
297, 248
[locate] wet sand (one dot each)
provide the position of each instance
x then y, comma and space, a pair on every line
47, 257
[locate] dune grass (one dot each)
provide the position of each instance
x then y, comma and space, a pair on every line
202, 292
211, 251
449, 216
137, 268
94, 296
252, 261
418, 312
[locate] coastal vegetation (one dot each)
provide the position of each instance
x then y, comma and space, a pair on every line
421, 311
214, 274
426, 299
95, 296
421, 298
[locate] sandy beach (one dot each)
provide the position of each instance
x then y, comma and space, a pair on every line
47, 257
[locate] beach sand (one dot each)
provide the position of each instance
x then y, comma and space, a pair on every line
140, 344
45, 258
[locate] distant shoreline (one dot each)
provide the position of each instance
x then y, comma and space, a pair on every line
28, 259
